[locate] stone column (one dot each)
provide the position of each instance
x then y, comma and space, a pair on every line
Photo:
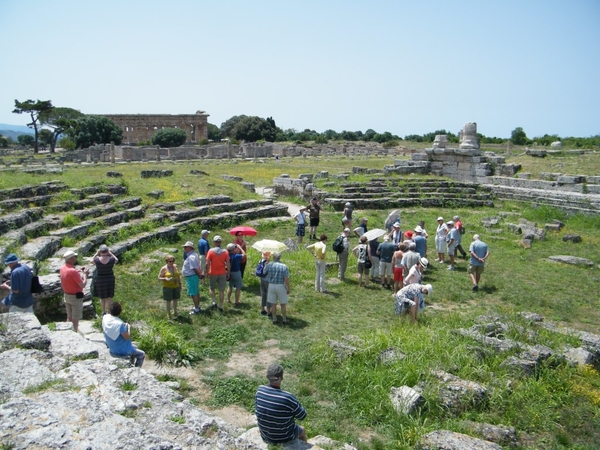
112, 152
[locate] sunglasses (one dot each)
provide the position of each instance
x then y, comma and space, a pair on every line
170, 260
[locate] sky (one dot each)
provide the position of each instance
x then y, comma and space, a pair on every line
407, 67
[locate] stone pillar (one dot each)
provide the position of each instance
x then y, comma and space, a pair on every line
112, 152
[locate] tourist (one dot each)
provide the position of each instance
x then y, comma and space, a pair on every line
410, 300
19, 298
363, 253
278, 275
314, 213
104, 280
420, 241
276, 411
415, 274
73, 282
440, 240
236, 254
239, 240
451, 238
217, 267
385, 251
118, 336
318, 250
264, 282
191, 271
396, 234
479, 254
424, 232
347, 218
362, 228
343, 256
300, 219
408, 235
374, 245
171, 283
397, 266
461, 230
410, 258
203, 248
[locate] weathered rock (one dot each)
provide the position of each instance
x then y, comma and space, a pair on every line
114, 174
341, 350
156, 173
457, 394
500, 434
158, 193
449, 440
572, 237
406, 399
573, 260
390, 355
519, 365
25, 331
579, 356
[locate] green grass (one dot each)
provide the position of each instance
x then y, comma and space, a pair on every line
128, 386
348, 399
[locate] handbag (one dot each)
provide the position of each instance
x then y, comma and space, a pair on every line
36, 286
79, 295
368, 263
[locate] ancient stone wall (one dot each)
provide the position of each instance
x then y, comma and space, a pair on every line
141, 127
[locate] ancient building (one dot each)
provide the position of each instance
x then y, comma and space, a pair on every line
141, 127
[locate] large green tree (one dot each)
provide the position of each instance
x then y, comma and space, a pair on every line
169, 137
3, 142
46, 138
518, 136
25, 139
228, 126
90, 130
60, 120
214, 133
254, 128
34, 109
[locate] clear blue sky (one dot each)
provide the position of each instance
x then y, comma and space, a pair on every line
408, 67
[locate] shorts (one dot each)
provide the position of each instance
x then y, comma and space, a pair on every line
451, 249
475, 270
398, 274
277, 293
235, 280
300, 229
202, 261
171, 294
218, 280
314, 221
192, 285
362, 269
74, 306
385, 268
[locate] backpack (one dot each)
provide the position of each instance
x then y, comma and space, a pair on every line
338, 244
260, 268
462, 229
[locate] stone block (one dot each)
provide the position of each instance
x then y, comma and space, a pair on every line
572, 237
592, 180
405, 399
570, 179
536, 153
450, 440
524, 175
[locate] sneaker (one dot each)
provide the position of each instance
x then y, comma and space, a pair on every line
442, 262
263, 313
451, 268
213, 306
195, 311
475, 288
269, 315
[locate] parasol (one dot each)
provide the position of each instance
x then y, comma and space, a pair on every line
374, 233
268, 245
246, 231
392, 217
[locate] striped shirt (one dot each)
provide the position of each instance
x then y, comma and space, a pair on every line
275, 413
276, 272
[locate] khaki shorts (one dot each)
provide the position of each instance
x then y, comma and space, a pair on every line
74, 307
475, 270
218, 280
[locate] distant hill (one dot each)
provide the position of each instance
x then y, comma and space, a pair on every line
13, 131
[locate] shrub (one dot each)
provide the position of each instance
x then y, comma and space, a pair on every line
169, 137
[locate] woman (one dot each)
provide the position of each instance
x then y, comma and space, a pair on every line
410, 300
363, 252
347, 219
104, 281
397, 266
239, 240
319, 250
415, 274
264, 282
440, 239
171, 281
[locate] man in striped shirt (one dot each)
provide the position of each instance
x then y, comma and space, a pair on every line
276, 410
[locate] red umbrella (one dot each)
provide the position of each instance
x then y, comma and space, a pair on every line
246, 231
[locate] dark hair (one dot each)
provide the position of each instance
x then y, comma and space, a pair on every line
323, 237
402, 247
421, 223
115, 309
363, 239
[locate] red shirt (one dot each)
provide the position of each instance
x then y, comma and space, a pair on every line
70, 279
218, 262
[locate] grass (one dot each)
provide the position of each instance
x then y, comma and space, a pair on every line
348, 399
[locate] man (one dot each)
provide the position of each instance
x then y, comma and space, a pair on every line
276, 410
218, 269
374, 244
73, 282
461, 230
278, 276
385, 251
420, 241
396, 234
19, 298
118, 336
236, 254
192, 272
362, 228
318, 250
451, 238
314, 212
343, 256
410, 258
300, 219
479, 254
203, 248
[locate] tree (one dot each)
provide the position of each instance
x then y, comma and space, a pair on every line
214, 134
60, 120
90, 130
3, 142
169, 137
34, 109
45, 137
518, 136
254, 128
228, 125
25, 139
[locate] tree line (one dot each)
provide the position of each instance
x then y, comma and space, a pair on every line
71, 129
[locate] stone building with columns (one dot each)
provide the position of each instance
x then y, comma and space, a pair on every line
141, 127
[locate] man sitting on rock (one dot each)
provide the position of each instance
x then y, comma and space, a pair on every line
118, 338
276, 410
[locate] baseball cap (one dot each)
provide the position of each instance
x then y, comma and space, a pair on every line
205, 232
456, 217
440, 218
347, 204
230, 247
274, 372
189, 244
69, 254
450, 223
217, 238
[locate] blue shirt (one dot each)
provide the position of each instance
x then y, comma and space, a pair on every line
203, 246
386, 251
120, 346
421, 244
234, 261
276, 272
275, 414
20, 280
480, 249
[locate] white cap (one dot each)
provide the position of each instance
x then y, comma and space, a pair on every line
429, 288
205, 232
69, 254
189, 244
440, 218
418, 229
346, 230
